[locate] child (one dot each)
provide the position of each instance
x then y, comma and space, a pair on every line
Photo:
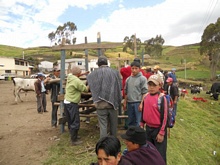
184, 92
135, 89
151, 117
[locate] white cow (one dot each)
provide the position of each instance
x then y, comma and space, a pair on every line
21, 84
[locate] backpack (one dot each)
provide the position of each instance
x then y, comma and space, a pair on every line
170, 112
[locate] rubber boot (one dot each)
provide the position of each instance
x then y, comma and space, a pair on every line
74, 140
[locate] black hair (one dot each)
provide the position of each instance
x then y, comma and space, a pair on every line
110, 144
102, 60
135, 63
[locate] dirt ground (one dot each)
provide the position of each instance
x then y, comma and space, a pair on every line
25, 135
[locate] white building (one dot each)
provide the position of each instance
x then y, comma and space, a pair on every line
45, 66
81, 63
17, 66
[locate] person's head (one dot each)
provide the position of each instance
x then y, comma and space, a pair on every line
40, 76
156, 68
173, 70
154, 84
76, 71
144, 68
135, 68
169, 81
134, 138
102, 60
148, 68
56, 72
108, 150
137, 60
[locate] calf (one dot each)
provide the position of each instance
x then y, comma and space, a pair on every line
194, 89
21, 84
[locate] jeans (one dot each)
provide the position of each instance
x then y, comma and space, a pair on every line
134, 115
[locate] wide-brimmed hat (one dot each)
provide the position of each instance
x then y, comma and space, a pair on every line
135, 134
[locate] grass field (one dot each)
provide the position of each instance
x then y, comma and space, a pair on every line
192, 141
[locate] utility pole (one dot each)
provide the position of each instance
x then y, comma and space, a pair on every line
135, 46
185, 67
98, 42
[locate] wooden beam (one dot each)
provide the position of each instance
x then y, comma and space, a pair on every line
87, 46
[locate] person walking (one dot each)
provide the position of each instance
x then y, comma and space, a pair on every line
105, 85
135, 89
40, 91
173, 91
73, 90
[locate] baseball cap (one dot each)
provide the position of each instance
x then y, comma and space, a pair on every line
40, 75
169, 79
155, 79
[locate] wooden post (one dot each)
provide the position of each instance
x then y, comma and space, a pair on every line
142, 57
62, 78
86, 58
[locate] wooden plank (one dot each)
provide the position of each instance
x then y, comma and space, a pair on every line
88, 111
87, 46
86, 105
60, 97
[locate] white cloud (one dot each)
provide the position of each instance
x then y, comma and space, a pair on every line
179, 22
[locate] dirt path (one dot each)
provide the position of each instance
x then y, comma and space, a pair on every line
25, 135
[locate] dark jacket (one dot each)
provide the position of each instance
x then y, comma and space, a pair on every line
54, 88
37, 86
145, 155
174, 91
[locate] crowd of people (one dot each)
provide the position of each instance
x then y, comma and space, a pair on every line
138, 87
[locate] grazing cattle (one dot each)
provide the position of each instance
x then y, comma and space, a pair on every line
194, 89
21, 84
215, 90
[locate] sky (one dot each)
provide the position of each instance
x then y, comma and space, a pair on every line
27, 23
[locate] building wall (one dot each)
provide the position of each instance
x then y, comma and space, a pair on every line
7, 65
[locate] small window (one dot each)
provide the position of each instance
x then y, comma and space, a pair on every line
22, 63
16, 62
79, 62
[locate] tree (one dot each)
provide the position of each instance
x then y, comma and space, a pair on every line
153, 46
63, 34
210, 45
129, 43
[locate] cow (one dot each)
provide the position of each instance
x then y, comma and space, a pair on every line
21, 84
215, 90
194, 89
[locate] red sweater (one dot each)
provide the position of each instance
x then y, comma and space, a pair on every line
151, 114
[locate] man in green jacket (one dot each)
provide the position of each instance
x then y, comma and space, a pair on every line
74, 87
